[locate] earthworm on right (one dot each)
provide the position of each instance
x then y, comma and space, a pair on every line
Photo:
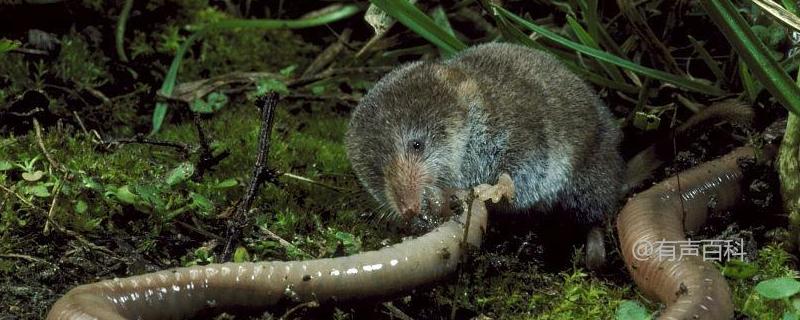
690, 287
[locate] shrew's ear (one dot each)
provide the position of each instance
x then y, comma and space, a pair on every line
465, 88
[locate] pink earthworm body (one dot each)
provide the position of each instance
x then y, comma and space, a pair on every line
690, 287
182, 292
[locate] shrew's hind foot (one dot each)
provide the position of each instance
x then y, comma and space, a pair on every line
595, 249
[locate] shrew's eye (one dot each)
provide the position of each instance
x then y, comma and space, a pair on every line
416, 146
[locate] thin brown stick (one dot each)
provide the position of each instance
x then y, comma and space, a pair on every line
56, 192
311, 181
283, 242
38, 129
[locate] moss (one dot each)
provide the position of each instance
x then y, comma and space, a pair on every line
14, 75
79, 63
525, 292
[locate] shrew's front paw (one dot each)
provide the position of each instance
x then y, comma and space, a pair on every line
503, 188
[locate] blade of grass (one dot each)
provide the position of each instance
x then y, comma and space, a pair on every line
751, 87
336, 15
587, 39
512, 34
656, 49
589, 10
755, 54
790, 5
779, 13
122, 21
689, 84
707, 58
408, 14
169, 80
440, 19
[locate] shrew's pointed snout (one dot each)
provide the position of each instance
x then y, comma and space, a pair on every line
405, 179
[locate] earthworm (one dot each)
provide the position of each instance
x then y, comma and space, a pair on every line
182, 292
690, 287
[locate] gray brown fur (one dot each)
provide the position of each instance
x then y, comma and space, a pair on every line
491, 109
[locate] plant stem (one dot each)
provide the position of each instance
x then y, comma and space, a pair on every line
120, 34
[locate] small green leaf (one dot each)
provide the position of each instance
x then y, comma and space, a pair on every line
5, 165
124, 195
39, 190
318, 89
201, 202
789, 315
211, 104
227, 183
200, 106
266, 85
631, 310
150, 194
180, 174
349, 241
241, 255
288, 71
89, 183
81, 207
33, 176
778, 288
8, 45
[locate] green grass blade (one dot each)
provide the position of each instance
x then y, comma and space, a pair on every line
512, 34
587, 39
754, 53
751, 87
791, 6
119, 35
169, 80
336, 15
689, 84
407, 14
589, 11
707, 59
440, 19
779, 13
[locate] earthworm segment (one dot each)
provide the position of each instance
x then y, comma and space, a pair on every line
180, 293
690, 287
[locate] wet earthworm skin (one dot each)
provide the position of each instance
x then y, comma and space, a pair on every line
182, 292
690, 287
